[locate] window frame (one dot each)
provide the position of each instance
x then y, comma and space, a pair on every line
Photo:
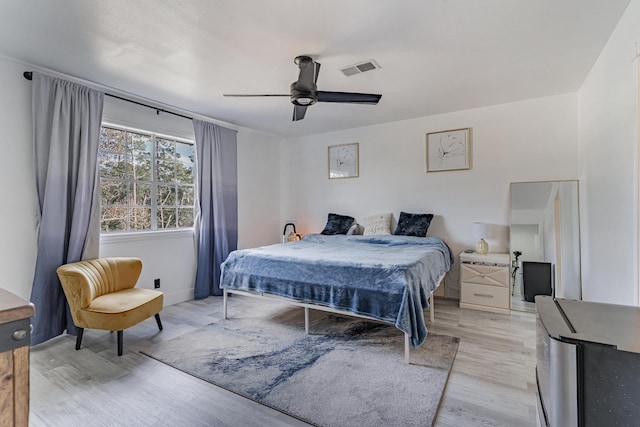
154, 183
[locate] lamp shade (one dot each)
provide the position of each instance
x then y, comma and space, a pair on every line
482, 230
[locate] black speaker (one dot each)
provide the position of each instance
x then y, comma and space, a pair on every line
536, 279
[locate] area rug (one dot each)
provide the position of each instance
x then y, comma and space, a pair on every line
346, 372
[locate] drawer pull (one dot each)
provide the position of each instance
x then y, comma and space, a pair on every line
483, 295
482, 275
19, 335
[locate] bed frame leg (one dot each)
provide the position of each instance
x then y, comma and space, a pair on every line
432, 313
306, 320
224, 304
406, 348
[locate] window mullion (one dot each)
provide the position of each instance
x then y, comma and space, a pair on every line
154, 185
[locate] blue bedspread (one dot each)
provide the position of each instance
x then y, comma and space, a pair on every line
386, 277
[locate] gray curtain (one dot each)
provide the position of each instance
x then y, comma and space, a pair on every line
66, 128
217, 221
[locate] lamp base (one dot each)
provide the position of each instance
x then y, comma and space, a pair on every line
482, 247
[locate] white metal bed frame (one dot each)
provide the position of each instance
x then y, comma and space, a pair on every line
313, 306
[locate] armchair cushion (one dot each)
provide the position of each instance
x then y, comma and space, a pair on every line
123, 309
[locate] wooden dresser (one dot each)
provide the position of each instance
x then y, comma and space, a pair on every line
15, 334
484, 282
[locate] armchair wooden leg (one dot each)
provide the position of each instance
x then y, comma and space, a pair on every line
158, 321
120, 345
79, 338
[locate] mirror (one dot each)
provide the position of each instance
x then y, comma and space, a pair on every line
544, 242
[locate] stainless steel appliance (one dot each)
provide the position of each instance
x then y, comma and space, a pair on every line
588, 363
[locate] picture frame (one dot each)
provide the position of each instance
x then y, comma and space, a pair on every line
448, 150
343, 160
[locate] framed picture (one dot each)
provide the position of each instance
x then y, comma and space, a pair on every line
343, 161
448, 150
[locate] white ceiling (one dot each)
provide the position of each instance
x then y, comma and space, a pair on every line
436, 56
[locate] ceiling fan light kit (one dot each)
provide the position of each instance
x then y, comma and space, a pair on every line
304, 91
302, 96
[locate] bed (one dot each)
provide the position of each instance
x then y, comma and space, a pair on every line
386, 278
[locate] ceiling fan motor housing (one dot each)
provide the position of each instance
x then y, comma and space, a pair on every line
303, 91
303, 96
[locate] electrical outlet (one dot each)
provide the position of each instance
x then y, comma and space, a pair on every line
156, 283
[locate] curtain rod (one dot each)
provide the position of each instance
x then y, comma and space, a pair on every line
29, 76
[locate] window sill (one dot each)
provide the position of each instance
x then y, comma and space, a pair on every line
106, 238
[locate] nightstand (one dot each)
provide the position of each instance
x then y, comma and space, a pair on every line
15, 330
484, 282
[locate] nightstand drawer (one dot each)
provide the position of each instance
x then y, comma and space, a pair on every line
485, 274
487, 295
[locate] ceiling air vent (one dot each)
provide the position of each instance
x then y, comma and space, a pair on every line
360, 68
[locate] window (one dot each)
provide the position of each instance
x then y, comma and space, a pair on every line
146, 181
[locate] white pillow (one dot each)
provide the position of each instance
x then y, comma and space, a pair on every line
377, 224
353, 230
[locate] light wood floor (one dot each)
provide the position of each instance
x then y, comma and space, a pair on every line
492, 382
518, 303
517, 299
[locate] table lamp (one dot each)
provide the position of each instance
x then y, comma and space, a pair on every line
482, 231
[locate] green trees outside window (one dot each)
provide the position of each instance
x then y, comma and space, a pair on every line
146, 181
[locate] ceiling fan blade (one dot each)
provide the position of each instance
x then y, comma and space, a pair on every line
317, 71
348, 97
298, 112
245, 95
307, 75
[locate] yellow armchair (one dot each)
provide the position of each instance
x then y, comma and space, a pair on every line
102, 295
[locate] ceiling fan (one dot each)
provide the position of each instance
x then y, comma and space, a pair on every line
304, 91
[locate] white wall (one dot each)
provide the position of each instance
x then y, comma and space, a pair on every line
17, 182
608, 156
169, 256
525, 141
526, 239
258, 189
570, 242
549, 230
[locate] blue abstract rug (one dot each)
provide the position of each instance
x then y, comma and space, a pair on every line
346, 372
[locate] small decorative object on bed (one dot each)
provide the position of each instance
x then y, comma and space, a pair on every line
343, 161
448, 150
292, 236
384, 278
413, 224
